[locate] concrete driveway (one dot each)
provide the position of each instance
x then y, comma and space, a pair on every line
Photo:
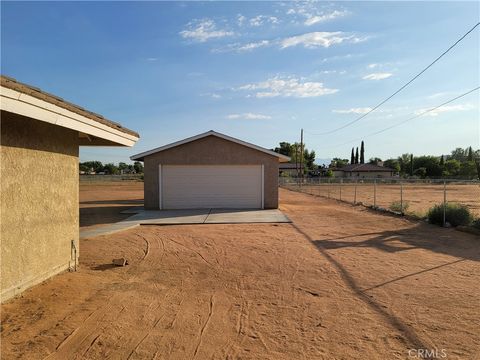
189, 217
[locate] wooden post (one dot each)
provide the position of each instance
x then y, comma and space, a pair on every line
444, 202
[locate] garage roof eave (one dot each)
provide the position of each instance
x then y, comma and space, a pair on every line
141, 156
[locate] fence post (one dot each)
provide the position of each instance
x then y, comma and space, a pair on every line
401, 197
341, 182
328, 189
355, 193
374, 193
444, 201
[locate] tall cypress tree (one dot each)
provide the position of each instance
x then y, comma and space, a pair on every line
411, 164
356, 156
442, 161
362, 154
470, 154
352, 158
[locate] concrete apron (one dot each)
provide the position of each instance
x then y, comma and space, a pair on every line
189, 217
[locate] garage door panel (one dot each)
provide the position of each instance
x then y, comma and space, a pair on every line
207, 186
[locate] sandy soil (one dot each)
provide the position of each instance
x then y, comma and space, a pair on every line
102, 202
341, 282
420, 197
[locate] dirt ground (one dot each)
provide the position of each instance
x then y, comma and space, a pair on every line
419, 197
102, 203
341, 282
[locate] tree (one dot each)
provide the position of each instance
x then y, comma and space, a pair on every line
122, 166
374, 161
468, 169
470, 154
338, 163
431, 165
95, 166
404, 162
459, 154
420, 172
451, 167
442, 161
393, 164
309, 159
138, 166
352, 157
284, 149
411, 164
362, 153
111, 169
356, 156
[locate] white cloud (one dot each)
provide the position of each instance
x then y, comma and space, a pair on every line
203, 30
152, 59
315, 19
263, 19
446, 108
254, 45
241, 19
287, 87
320, 39
363, 110
249, 116
216, 96
373, 66
377, 76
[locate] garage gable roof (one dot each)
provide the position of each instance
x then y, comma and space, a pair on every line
281, 158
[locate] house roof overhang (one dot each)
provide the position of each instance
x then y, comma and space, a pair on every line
93, 129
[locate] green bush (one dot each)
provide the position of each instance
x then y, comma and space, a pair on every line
455, 214
397, 206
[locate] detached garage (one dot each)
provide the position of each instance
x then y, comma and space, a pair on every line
211, 170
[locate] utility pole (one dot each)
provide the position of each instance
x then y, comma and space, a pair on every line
296, 159
301, 153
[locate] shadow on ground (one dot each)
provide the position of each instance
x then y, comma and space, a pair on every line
103, 215
465, 247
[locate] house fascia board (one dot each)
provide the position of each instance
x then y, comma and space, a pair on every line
29, 106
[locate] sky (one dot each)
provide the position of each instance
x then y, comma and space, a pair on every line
257, 71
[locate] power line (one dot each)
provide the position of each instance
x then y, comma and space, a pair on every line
403, 87
409, 119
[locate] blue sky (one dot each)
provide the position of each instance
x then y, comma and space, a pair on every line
259, 71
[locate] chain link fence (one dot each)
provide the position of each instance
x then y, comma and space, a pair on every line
110, 178
406, 196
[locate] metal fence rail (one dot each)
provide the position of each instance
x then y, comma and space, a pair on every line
405, 196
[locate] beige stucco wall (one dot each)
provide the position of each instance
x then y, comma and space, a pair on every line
39, 201
211, 150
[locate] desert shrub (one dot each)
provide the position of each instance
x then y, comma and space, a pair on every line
476, 223
455, 214
397, 206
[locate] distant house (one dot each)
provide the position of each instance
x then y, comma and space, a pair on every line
289, 169
363, 171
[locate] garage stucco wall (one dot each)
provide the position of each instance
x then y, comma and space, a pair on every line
39, 201
210, 150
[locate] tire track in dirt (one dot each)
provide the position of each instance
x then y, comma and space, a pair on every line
202, 330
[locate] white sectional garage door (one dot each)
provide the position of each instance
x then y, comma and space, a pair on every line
211, 186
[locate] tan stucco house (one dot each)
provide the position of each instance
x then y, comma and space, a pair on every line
210, 170
39, 144
363, 171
